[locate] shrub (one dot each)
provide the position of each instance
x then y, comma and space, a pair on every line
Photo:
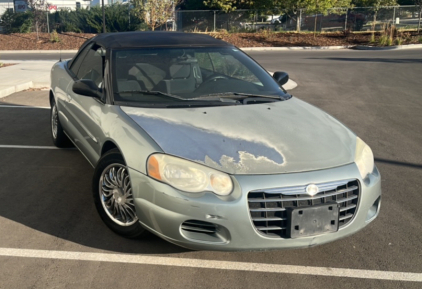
54, 37
80, 20
383, 40
399, 41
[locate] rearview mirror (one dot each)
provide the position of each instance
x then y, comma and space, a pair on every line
281, 77
86, 87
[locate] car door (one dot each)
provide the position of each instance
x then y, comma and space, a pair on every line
85, 112
65, 82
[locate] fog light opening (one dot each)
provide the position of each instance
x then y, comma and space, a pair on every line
373, 210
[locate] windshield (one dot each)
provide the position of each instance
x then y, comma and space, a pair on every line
191, 75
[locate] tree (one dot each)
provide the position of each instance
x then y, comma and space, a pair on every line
322, 6
230, 5
154, 12
194, 5
39, 10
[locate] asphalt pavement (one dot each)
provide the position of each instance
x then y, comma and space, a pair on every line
46, 201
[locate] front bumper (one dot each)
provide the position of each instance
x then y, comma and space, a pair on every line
162, 210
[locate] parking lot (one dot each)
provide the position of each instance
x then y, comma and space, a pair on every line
52, 237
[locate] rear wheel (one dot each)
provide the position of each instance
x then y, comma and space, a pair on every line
113, 196
59, 138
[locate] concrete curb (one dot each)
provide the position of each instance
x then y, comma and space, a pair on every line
291, 84
35, 51
396, 47
22, 86
297, 48
15, 88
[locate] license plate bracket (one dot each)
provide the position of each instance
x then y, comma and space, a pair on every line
315, 220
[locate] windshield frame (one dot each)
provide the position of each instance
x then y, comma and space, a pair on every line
282, 93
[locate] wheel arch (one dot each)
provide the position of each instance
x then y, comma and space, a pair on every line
51, 97
110, 145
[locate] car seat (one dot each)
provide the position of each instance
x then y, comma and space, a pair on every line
184, 76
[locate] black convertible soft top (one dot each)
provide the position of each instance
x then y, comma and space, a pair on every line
156, 38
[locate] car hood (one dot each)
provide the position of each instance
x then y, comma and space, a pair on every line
279, 137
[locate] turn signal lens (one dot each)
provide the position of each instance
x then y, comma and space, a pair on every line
221, 183
153, 168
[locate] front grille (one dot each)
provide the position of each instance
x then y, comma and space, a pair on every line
268, 208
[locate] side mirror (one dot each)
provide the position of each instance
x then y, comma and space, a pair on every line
86, 87
281, 77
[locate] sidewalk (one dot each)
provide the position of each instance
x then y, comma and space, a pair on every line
36, 74
24, 75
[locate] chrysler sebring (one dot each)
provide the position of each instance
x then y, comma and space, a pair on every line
195, 142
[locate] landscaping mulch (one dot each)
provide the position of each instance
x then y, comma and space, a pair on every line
72, 41
269, 39
28, 41
6, 64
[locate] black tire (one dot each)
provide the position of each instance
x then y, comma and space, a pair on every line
57, 134
113, 159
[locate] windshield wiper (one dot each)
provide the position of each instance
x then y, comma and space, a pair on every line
153, 92
239, 95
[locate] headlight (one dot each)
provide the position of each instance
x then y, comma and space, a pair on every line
364, 158
188, 176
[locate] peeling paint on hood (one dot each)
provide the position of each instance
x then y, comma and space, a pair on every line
279, 137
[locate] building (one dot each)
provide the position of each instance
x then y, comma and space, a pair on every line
21, 6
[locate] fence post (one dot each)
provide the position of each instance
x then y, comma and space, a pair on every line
215, 20
394, 16
128, 14
48, 24
345, 21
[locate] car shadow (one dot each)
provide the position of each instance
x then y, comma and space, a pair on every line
49, 191
397, 163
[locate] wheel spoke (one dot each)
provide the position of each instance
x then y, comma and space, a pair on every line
108, 182
109, 203
126, 183
123, 214
119, 177
130, 211
116, 195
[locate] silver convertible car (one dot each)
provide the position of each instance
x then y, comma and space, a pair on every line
195, 142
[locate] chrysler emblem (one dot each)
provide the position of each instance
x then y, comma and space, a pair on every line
312, 190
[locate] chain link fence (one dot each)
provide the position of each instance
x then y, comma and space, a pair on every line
338, 19
120, 18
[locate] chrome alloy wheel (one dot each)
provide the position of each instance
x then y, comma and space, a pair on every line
116, 195
54, 121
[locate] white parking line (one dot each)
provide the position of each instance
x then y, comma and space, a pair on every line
23, 106
29, 147
211, 264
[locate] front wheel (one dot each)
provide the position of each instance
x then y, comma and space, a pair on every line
113, 196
